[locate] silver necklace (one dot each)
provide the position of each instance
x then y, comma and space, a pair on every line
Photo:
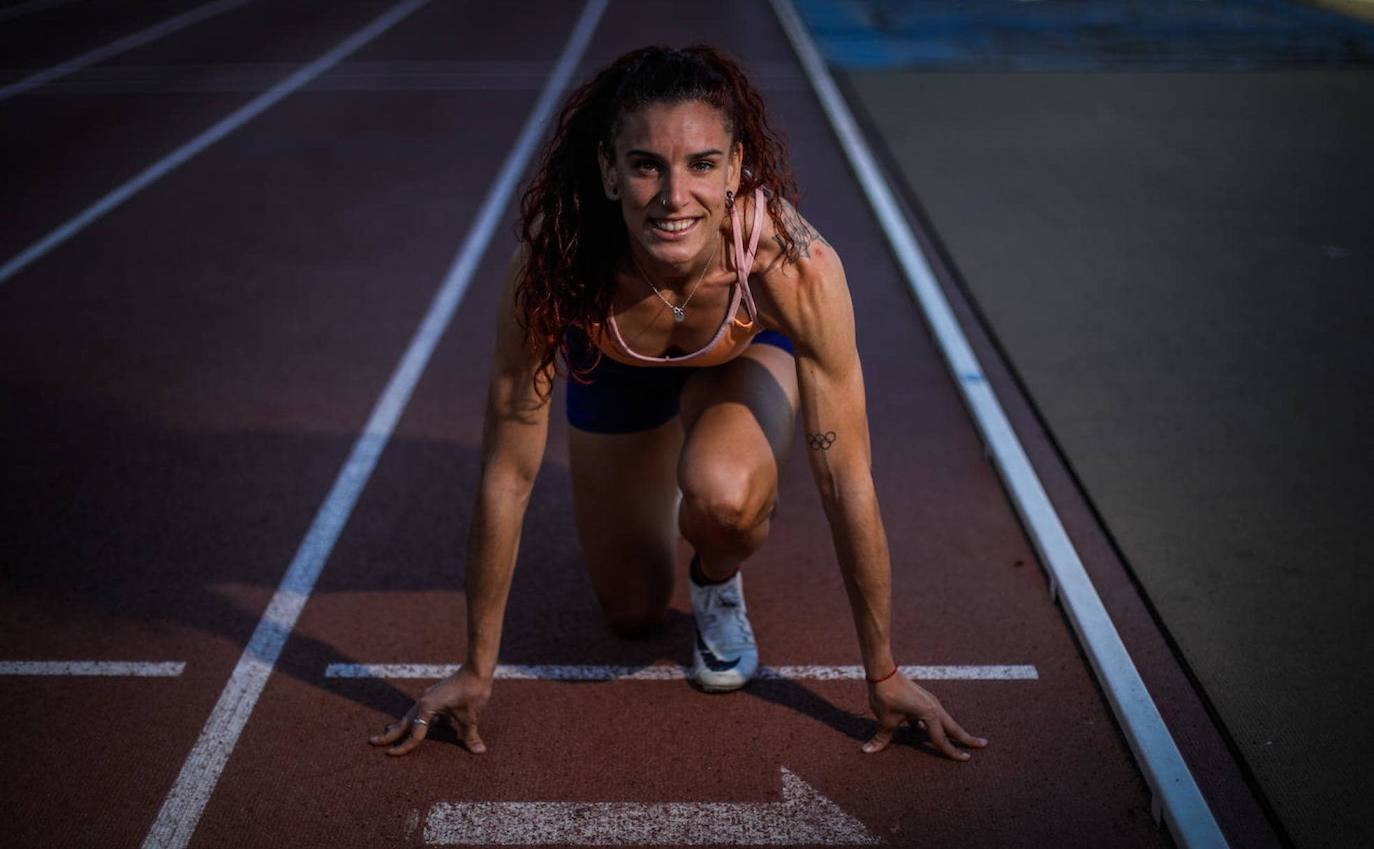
679, 313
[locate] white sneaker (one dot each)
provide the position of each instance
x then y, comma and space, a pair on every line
724, 654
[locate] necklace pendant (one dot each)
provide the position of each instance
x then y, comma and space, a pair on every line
679, 315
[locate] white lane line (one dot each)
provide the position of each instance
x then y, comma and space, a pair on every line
666, 672
219, 130
21, 9
356, 75
1186, 810
118, 46
803, 817
101, 668
180, 813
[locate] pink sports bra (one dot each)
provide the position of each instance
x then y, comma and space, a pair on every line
733, 335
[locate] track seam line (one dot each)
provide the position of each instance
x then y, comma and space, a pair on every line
30, 7
176, 822
217, 131
356, 75
93, 668
1175, 791
118, 46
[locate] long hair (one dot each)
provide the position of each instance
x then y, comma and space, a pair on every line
575, 236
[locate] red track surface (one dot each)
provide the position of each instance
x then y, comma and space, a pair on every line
183, 380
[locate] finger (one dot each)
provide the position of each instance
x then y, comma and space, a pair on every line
418, 729
936, 729
394, 730
390, 734
881, 738
958, 732
472, 740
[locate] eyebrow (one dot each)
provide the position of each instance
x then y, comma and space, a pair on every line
701, 155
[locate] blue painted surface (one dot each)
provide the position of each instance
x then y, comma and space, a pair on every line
1076, 35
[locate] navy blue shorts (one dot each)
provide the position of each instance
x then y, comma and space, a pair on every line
625, 399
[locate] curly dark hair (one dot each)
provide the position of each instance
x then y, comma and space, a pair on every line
575, 237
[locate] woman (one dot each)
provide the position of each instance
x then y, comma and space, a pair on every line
697, 312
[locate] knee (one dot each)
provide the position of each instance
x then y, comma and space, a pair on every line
630, 624
728, 500
637, 608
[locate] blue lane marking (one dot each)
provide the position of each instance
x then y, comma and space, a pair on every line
1053, 35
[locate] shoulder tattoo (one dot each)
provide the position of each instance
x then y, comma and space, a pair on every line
803, 235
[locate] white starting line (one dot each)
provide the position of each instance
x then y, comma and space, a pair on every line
97, 668
666, 672
803, 816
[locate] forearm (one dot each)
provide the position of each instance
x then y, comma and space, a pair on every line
856, 528
492, 547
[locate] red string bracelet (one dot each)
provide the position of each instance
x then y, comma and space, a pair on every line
884, 678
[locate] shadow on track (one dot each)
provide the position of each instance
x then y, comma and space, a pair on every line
152, 526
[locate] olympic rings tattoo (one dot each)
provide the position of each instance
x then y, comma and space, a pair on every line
821, 441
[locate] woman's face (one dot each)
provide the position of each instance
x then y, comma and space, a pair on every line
673, 164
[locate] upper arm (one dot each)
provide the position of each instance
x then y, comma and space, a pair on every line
816, 312
519, 393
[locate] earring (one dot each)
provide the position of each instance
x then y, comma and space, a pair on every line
729, 200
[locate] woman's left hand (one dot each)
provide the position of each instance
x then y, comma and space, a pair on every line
897, 699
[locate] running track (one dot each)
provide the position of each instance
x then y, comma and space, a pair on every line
184, 378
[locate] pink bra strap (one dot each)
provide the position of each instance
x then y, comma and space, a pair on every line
720, 331
744, 261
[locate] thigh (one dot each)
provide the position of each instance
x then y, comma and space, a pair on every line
625, 500
739, 422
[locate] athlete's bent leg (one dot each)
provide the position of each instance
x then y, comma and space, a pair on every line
625, 500
739, 421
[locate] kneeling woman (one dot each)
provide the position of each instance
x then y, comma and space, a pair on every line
696, 312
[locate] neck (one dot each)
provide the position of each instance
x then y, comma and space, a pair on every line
670, 276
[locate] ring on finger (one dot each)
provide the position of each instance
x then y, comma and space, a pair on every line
418, 721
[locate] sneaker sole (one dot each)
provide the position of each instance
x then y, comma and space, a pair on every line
717, 688
727, 684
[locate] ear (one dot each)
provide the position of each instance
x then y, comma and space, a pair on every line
610, 183
735, 167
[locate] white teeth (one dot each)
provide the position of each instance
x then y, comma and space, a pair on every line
674, 226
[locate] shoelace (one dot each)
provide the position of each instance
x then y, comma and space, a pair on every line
726, 602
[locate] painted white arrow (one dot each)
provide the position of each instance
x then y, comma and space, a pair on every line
803, 816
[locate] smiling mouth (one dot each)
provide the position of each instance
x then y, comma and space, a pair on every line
676, 225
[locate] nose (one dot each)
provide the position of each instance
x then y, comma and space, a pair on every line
673, 193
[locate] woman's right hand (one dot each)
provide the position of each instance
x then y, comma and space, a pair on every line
458, 698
